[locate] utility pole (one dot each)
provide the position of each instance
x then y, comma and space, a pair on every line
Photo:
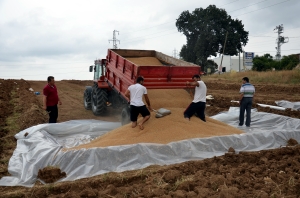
115, 40
220, 68
239, 61
175, 53
279, 41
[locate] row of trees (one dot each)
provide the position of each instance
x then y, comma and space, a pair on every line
266, 62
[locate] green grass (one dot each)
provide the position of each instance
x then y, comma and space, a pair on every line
12, 123
291, 77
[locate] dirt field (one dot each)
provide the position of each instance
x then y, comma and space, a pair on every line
273, 173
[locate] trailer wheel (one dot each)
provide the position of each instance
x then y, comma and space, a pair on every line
125, 115
87, 98
99, 99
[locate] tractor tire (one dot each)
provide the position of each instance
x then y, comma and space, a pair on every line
99, 99
87, 98
125, 119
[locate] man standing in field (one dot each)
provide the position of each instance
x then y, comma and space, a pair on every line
51, 99
247, 93
135, 94
199, 103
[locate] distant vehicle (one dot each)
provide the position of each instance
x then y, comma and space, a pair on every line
113, 75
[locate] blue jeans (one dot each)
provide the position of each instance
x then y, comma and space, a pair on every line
245, 105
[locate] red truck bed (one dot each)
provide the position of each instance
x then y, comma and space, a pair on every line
121, 72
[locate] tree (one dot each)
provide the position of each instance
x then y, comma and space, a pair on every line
205, 30
212, 65
289, 62
266, 62
263, 63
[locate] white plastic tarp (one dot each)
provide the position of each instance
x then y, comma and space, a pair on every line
43, 147
288, 104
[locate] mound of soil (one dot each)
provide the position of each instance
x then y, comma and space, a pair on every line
51, 174
292, 142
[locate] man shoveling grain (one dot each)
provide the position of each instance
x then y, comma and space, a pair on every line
199, 102
135, 95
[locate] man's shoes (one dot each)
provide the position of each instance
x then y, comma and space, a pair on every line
240, 125
248, 126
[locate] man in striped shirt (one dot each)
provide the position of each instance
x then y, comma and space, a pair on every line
247, 93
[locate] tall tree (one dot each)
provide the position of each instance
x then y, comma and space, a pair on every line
205, 30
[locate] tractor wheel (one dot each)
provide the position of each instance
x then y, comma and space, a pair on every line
99, 99
125, 115
87, 98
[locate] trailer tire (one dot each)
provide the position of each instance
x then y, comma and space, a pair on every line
99, 99
125, 115
87, 98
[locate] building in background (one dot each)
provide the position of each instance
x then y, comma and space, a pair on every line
231, 63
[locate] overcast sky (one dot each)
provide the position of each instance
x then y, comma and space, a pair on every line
62, 38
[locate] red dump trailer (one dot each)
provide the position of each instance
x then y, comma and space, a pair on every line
120, 69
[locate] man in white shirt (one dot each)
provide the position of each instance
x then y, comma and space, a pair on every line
135, 94
199, 103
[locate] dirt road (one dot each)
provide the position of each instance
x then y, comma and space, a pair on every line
71, 95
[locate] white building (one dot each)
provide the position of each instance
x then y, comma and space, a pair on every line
231, 63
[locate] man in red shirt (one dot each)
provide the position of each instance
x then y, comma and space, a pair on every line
51, 99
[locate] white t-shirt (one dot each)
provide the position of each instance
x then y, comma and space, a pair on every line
136, 94
200, 92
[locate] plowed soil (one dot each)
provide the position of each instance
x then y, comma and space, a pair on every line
272, 173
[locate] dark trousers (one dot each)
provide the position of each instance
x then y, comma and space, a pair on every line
53, 113
245, 105
198, 108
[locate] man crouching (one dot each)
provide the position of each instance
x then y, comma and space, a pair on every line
199, 103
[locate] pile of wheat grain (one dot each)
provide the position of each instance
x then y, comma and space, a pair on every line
164, 130
145, 61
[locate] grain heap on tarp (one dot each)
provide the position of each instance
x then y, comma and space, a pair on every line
164, 130
145, 61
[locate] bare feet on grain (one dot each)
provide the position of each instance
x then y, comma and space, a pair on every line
141, 126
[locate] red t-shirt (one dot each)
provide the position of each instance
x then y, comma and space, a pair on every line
51, 93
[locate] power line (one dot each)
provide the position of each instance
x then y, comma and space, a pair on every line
263, 36
234, 10
262, 8
171, 21
41, 68
271, 42
40, 74
37, 64
248, 6
152, 37
148, 35
275, 51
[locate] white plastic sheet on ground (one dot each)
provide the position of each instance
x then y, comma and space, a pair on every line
288, 104
43, 147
